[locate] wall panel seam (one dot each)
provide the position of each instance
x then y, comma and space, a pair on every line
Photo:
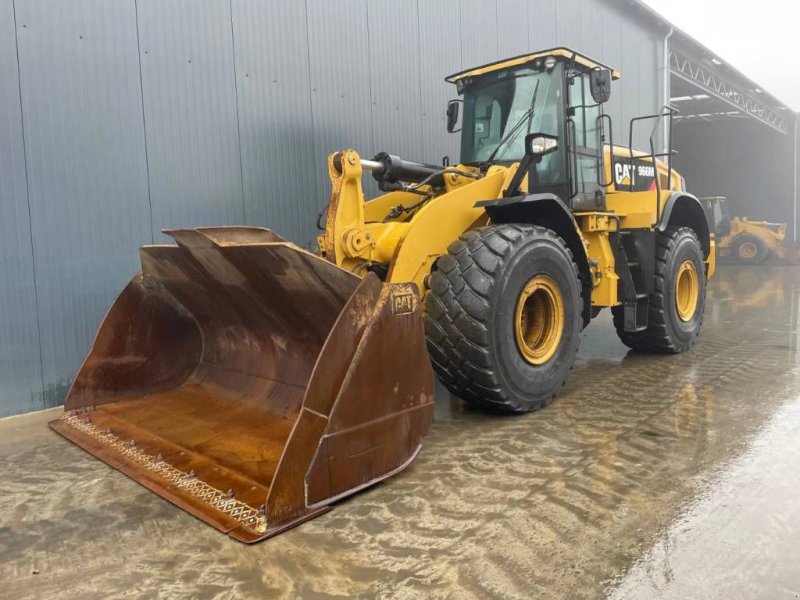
28, 201
311, 103
144, 122
419, 87
369, 82
238, 124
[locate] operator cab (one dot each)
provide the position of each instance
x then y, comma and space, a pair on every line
719, 218
553, 98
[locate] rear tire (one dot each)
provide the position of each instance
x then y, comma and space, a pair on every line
748, 249
483, 295
668, 331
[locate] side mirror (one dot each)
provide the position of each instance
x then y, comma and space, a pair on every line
452, 116
540, 144
600, 85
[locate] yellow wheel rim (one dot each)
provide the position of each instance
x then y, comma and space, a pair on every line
748, 250
539, 321
687, 290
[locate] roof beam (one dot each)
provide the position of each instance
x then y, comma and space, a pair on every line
704, 77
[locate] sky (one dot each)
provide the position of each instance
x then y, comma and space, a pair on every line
761, 39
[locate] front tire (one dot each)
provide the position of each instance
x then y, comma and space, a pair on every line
504, 315
678, 301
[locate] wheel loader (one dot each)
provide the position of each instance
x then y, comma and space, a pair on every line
744, 241
253, 383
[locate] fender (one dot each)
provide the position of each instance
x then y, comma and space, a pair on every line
547, 210
684, 209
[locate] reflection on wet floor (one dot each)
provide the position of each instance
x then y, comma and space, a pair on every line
584, 498
738, 537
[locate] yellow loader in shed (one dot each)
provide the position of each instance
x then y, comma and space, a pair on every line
253, 383
745, 241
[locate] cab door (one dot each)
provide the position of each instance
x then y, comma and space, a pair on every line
584, 146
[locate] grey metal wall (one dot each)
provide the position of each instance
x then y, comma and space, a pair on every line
119, 118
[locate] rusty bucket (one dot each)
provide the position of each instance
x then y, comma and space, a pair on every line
252, 383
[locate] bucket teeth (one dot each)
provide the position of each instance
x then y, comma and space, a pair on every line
246, 516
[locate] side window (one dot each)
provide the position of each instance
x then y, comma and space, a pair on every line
585, 114
585, 138
578, 110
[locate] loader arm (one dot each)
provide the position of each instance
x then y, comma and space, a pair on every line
359, 237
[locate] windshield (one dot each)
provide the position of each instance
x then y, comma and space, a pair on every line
500, 109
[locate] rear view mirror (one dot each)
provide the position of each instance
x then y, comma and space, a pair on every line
452, 116
539, 144
600, 85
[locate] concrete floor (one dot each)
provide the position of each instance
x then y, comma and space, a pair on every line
649, 477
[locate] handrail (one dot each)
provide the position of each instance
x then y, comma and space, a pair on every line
600, 157
572, 161
666, 111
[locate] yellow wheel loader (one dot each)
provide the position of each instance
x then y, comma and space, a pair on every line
747, 242
253, 383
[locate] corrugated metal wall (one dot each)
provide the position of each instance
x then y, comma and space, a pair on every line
119, 118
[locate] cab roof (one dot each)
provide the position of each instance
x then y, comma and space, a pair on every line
522, 59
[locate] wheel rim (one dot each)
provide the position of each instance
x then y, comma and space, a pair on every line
539, 321
687, 288
748, 250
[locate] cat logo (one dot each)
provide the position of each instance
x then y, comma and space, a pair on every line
634, 175
622, 174
403, 302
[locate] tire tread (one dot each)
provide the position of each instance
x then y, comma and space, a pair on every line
459, 312
656, 337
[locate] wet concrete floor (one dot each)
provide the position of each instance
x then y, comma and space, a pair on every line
649, 477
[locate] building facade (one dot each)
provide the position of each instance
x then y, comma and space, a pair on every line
122, 118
